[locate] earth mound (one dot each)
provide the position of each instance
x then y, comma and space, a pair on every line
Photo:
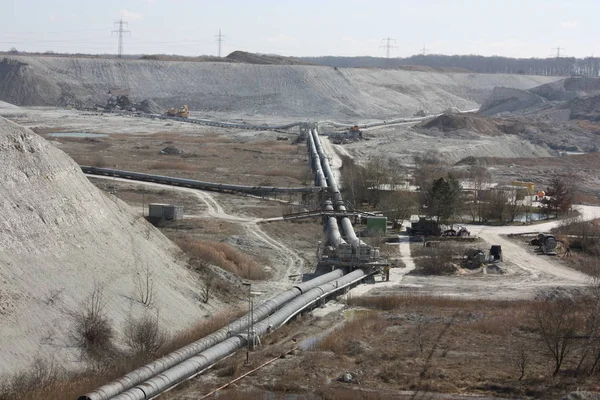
568, 89
60, 238
256, 58
575, 98
587, 108
503, 99
471, 122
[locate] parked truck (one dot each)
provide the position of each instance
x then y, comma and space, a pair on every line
424, 227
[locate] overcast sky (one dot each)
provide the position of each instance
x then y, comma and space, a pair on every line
514, 28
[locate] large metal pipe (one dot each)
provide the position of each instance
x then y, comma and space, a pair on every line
241, 324
168, 180
171, 369
333, 233
188, 368
200, 121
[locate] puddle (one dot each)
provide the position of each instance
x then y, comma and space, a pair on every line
77, 134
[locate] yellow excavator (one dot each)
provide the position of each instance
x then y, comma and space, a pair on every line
182, 112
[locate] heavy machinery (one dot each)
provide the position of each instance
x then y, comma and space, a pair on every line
462, 231
182, 112
550, 245
475, 258
354, 133
424, 227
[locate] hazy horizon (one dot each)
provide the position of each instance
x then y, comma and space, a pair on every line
290, 28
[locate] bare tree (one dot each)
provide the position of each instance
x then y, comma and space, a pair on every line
397, 207
519, 355
481, 177
144, 286
591, 329
208, 284
93, 332
557, 323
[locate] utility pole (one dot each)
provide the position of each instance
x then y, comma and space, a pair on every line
388, 46
250, 322
121, 33
220, 38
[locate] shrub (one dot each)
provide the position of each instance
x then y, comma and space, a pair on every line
438, 260
143, 336
93, 331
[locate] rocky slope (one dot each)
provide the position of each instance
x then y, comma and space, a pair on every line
60, 237
575, 98
281, 90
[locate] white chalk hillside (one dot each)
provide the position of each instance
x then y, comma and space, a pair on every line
281, 90
59, 235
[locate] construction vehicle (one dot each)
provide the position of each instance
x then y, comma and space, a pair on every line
354, 132
547, 244
462, 231
475, 258
424, 227
182, 112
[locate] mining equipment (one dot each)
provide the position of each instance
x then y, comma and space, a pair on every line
424, 227
550, 245
182, 112
462, 231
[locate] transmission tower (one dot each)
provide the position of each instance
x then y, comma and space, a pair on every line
220, 39
388, 46
557, 51
121, 33
424, 51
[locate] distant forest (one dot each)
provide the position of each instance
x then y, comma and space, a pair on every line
589, 66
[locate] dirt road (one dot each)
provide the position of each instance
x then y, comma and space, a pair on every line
526, 274
289, 262
536, 266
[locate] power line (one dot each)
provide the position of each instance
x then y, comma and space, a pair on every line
220, 38
120, 33
49, 33
388, 46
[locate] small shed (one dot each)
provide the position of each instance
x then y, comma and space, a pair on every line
377, 224
165, 211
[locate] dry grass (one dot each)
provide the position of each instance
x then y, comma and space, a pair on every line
275, 146
298, 175
172, 166
201, 329
48, 381
224, 256
415, 301
340, 340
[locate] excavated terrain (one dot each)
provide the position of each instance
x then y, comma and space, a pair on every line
315, 92
61, 237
